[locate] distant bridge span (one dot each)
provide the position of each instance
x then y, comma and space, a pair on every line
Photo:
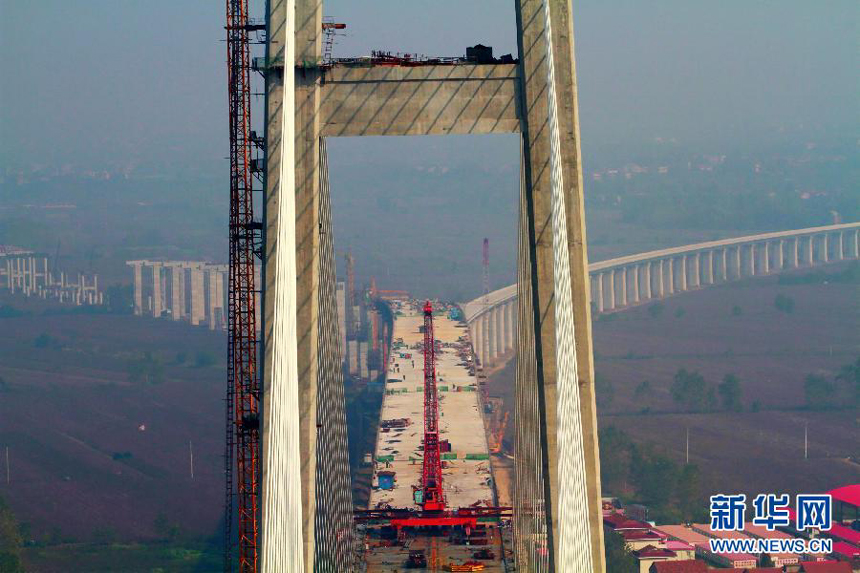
618, 284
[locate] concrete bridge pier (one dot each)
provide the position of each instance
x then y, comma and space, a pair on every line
762, 263
633, 287
621, 284
609, 297
477, 327
708, 267
491, 336
695, 276
853, 243
779, 261
155, 269
510, 324
681, 272
645, 280
501, 329
485, 340
597, 291
669, 279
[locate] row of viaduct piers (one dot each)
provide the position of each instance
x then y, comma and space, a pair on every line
621, 283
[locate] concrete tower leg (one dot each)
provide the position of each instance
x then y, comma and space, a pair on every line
559, 303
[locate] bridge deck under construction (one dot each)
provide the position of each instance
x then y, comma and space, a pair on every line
467, 475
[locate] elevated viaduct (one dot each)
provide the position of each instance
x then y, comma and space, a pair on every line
618, 284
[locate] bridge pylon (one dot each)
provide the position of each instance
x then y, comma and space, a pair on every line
306, 509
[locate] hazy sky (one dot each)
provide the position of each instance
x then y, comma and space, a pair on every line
90, 82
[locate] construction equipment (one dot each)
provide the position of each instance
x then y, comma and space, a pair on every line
467, 566
243, 389
433, 498
486, 554
417, 559
497, 436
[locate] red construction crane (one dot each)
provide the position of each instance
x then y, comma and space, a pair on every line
243, 390
433, 498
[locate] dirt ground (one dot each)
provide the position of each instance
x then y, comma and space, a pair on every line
771, 352
93, 455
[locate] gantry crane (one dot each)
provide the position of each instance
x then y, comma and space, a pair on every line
433, 498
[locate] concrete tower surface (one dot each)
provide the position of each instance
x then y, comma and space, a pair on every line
307, 524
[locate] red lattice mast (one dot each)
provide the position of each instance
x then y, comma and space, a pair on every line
433, 498
243, 392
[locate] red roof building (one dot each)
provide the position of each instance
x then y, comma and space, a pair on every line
844, 533
849, 494
689, 566
825, 567
846, 550
620, 522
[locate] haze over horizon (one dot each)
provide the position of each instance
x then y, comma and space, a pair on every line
102, 84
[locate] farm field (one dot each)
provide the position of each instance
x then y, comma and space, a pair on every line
770, 351
98, 434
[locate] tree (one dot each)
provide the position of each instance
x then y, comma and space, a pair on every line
784, 303
730, 393
44, 340
656, 310
604, 391
689, 389
737, 311
203, 359
691, 501
614, 459
619, 559
850, 375
643, 392
147, 369
120, 299
820, 392
655, 475
10, 541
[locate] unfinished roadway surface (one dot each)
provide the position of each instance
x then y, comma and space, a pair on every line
399, 450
